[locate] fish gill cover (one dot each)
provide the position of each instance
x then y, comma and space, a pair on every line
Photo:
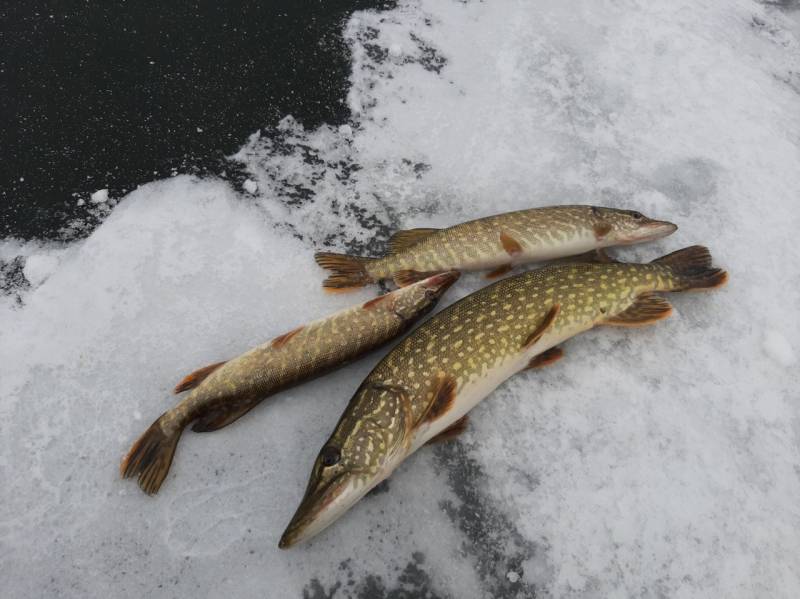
655, 462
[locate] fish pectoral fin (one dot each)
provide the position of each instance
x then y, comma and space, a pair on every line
444, 396
403, 278
403, 240
510, 245
499, 272
190, 381
451, 432
601, 229
217, 419
551, 356
540, 330
647, 309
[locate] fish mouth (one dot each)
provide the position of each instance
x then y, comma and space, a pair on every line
441, 282
318, 509
650, 231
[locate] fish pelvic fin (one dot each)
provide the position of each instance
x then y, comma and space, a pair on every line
551, 356
190, 381
347, 272
217, 419
405, 239
151, 456
692, 268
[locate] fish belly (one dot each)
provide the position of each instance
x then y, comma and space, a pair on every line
471, 393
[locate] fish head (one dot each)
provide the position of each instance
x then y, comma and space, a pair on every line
366, 446
421, 297
625, 227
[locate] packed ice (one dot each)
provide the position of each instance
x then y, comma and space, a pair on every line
662, 461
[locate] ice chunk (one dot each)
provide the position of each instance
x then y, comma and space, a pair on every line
250, 186
100, 196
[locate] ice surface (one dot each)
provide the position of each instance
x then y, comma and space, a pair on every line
656, 462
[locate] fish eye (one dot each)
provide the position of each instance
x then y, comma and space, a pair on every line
430, 293
636, 215
330, 455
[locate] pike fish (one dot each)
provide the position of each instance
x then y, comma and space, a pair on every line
423, 389
496, 243
223, 392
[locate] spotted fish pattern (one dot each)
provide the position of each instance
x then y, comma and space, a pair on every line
423, 389
223, 392
496, 243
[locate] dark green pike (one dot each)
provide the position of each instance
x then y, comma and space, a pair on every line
424, 388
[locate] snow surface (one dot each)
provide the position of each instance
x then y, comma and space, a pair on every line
656, 462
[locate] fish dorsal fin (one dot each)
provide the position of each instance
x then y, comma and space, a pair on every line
218, 418
552, 355
444, 396
190, 381
402, 240
647, 309
451, 432
540, 330
404, 278
282, 340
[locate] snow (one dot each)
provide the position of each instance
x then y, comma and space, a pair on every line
100, 196
779, 349
250, 186
662, 461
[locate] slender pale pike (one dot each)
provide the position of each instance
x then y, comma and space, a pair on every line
422, 390
223, 392
496, 243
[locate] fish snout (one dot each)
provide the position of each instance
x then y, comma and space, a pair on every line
650, 231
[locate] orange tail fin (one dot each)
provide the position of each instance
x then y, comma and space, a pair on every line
348, 272
151, 456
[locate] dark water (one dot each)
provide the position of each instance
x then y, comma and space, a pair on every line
115, 94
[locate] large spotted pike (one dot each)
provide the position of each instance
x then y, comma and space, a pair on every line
223, 392
496, 243
424, 388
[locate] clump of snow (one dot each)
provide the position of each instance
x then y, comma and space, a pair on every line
250, 186
40, 266
100, 196
663, 458
779, 348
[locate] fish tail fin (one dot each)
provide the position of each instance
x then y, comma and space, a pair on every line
347, 272
693, 269
151, 456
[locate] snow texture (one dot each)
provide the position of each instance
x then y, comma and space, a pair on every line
658, 462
